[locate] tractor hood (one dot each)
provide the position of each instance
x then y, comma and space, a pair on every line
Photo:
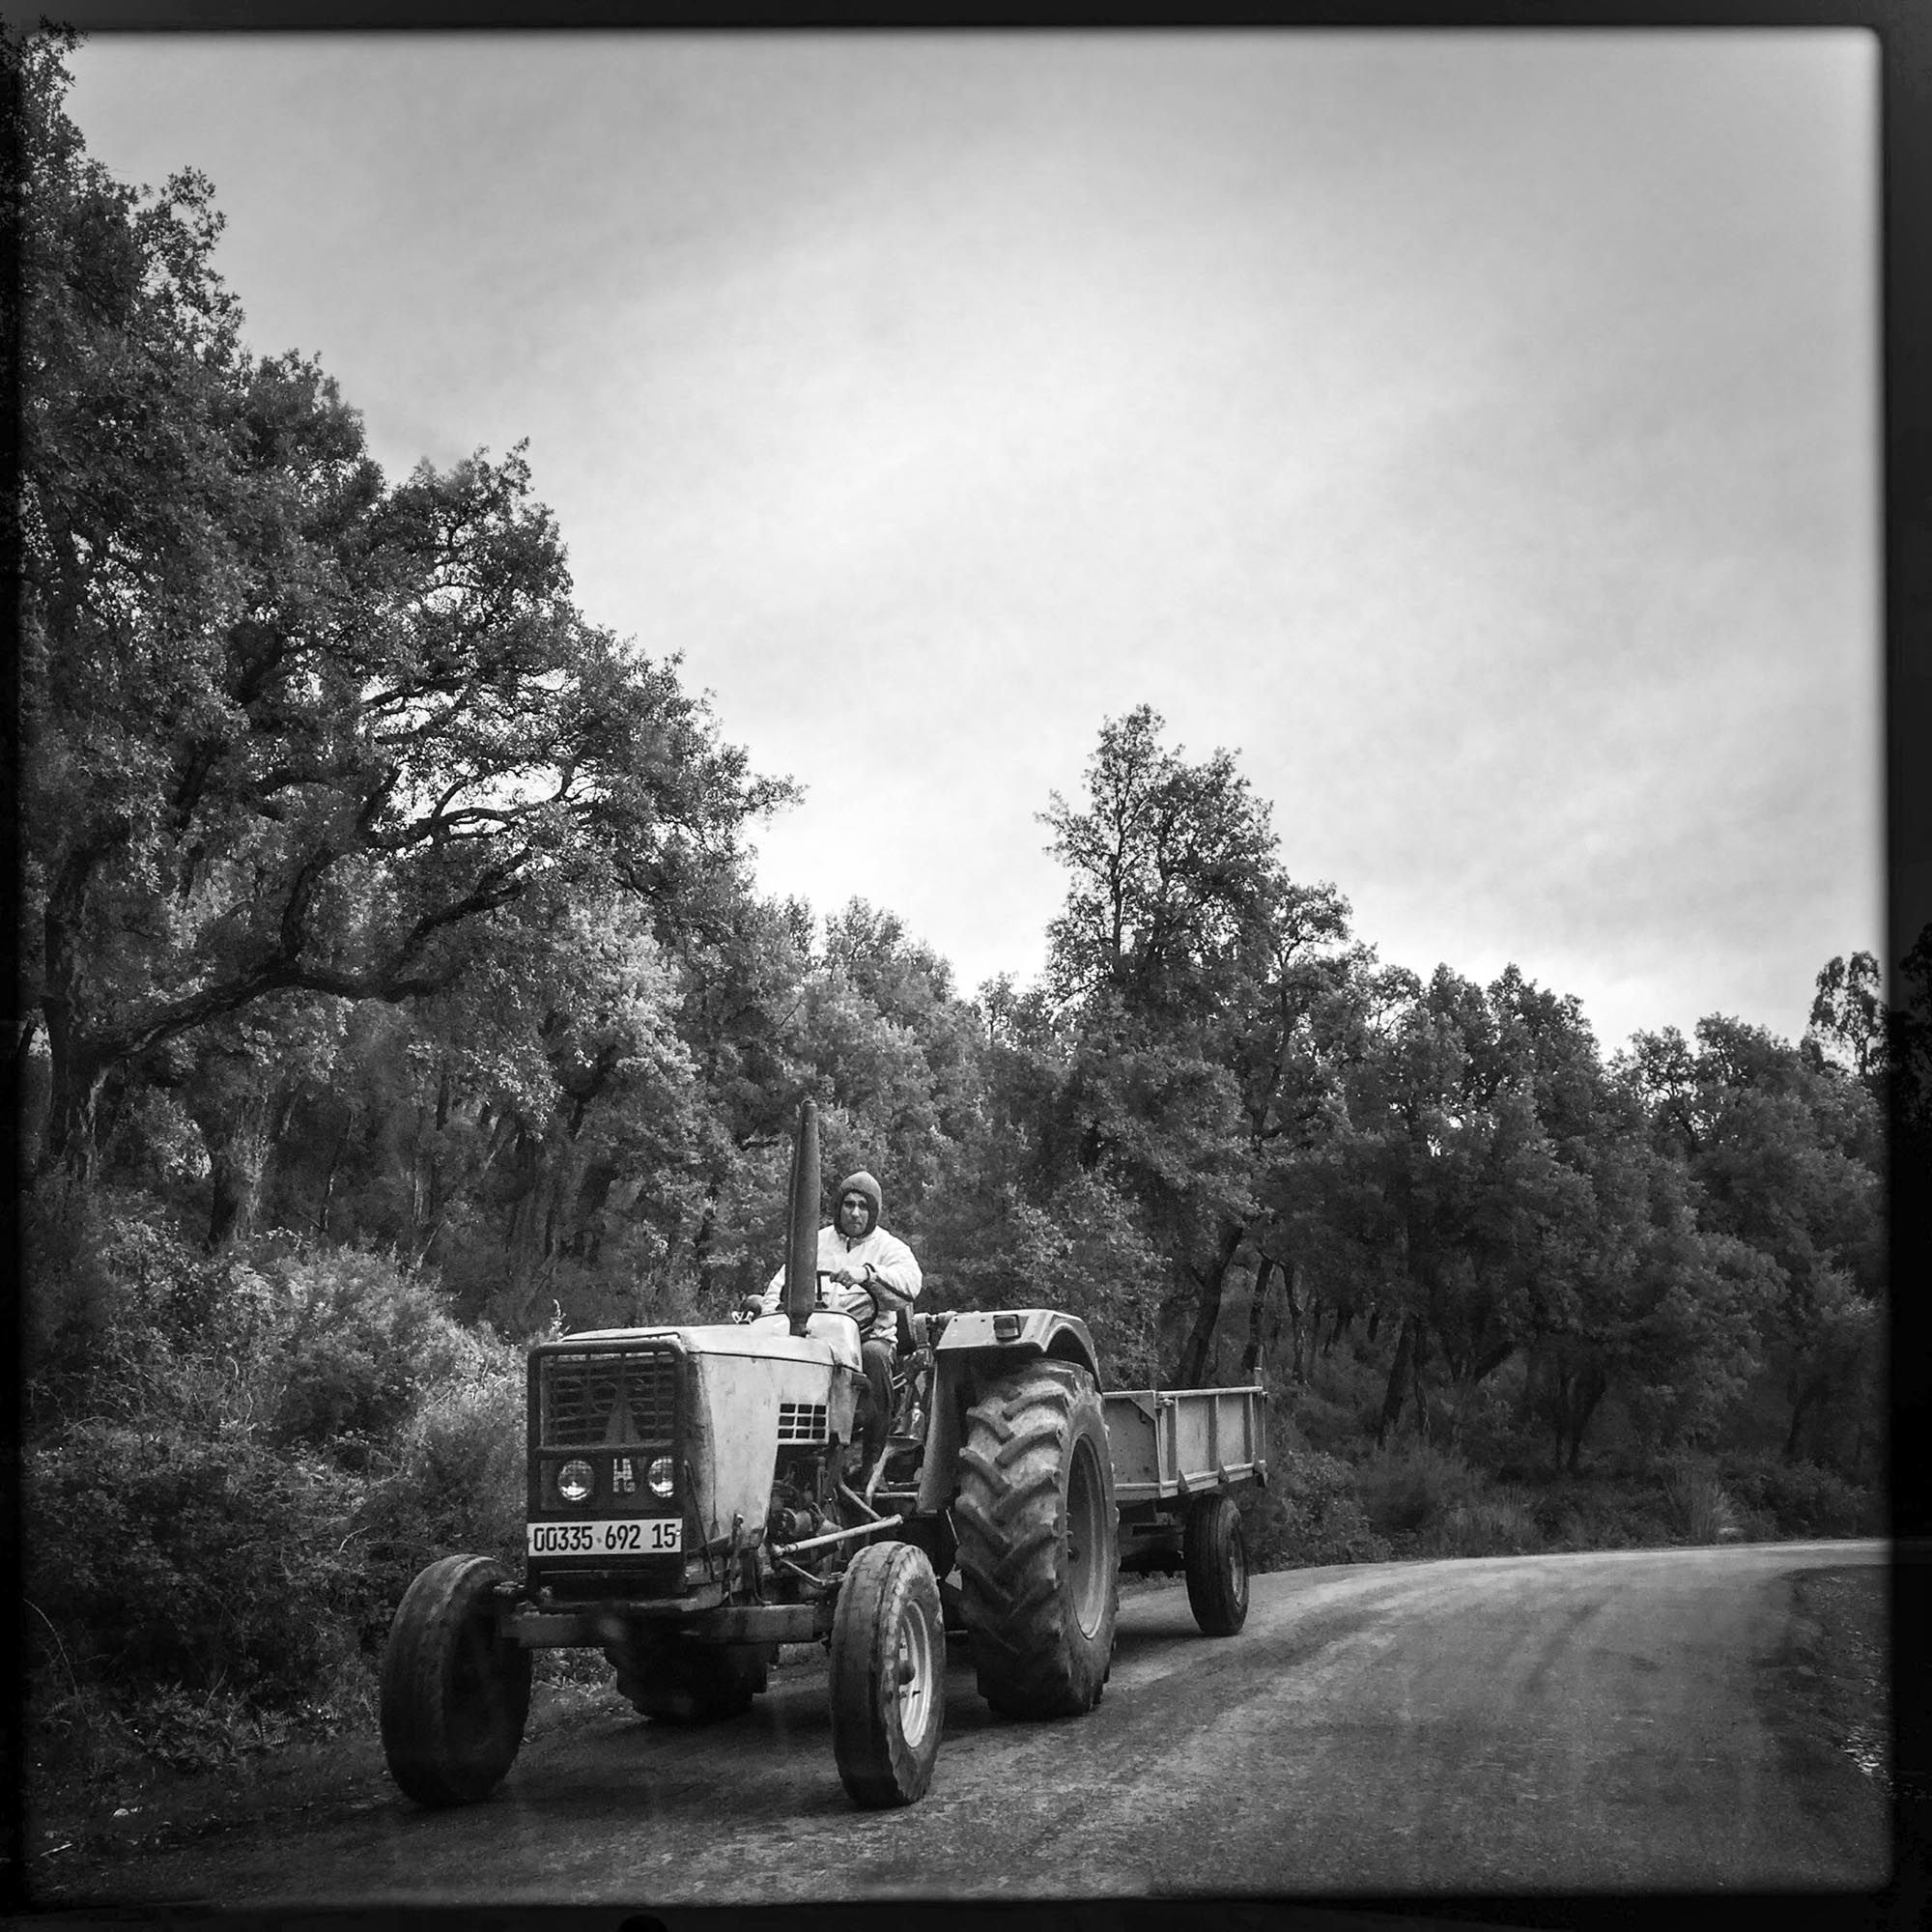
827, 1339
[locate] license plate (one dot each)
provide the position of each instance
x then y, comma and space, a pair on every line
627, 1536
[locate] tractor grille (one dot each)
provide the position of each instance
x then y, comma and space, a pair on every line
801, 1422
593, 1399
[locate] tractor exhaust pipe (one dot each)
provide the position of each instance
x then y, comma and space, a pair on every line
802, 1222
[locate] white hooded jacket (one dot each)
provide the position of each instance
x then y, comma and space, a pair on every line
881, 1256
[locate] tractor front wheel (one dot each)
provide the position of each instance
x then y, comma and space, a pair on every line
1038, 1541
1215, 1556
454, 1691
888, 1676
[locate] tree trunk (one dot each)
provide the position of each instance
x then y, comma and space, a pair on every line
1808, 1395
235, 1175
1589, 1392
1398, 1382
1297, 1341
1251, 1355
78, 1073
1417, 1359
68, 1148
1208, 1312
1338, 1330
328, 1186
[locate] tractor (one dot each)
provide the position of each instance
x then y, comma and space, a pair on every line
698, 1498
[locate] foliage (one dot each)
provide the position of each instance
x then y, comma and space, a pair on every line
453, 1482
162, 1555
1408, 1490
239, 1461
1801, 1500
1309, 1514
1706, 1512
1496, 1523
291, 728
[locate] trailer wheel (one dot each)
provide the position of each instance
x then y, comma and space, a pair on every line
1215, 1556
1038, 1541
453, 1695
888, 1676
677, 1682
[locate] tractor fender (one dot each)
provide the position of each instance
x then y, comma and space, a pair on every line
977, 1344
1019, 1334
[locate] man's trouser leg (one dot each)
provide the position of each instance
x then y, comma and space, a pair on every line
877, 1359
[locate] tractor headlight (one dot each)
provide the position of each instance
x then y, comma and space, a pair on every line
660, 1476
573, 1482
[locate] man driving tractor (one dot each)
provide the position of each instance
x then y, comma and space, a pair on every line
869, 1275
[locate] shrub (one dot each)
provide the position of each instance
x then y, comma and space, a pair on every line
233, 1468
1409, 1487
355, 1343
1705, 1512
124, 1319
1602, 1514
1328, 1425
1494, 1522
1798, 1499
202, 1562
1308, 1514
455, 1484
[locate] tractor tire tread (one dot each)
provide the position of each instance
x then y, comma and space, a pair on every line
1023, 1438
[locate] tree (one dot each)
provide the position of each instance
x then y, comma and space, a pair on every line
1785, 1151
1849, 1014
287, 728
1189, 967
1170, 865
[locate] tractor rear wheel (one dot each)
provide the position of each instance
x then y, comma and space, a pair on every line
888, 1676
678, 1682
454, 1693
1038, 1541
1215, 1556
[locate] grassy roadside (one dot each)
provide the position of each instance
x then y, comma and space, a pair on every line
1827, 1690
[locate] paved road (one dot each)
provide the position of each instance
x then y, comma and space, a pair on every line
1574, 1722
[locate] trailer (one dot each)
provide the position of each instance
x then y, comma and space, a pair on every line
1180, 1457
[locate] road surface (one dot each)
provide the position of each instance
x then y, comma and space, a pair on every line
1572, 1723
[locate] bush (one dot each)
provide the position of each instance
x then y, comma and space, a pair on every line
1496, 1522
455, 1485
355, 1343
1308, 1514
1801, 1500
1410, 1489
233, 1468
1328, 1425
124, 1319
159, 1556
1602, 1514
1704, 1509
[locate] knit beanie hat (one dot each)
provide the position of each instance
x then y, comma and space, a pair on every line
862, 1182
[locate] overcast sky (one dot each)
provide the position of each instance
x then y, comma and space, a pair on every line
1475, 433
